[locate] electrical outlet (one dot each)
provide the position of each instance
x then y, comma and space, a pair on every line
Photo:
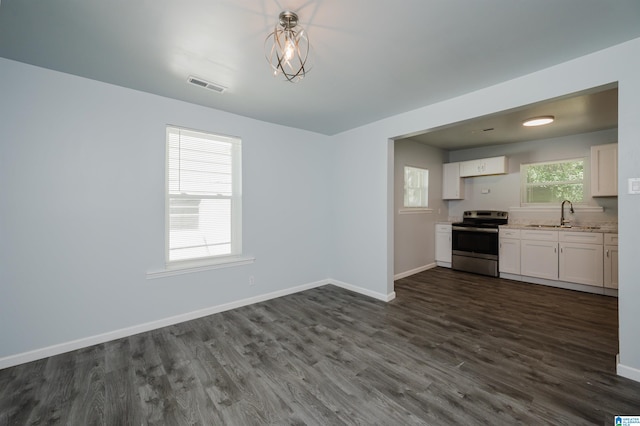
252, 280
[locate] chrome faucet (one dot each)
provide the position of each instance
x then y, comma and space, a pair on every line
565, 222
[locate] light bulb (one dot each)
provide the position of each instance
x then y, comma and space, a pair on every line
289, 49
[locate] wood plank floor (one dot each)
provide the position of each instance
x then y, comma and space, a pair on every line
451, 349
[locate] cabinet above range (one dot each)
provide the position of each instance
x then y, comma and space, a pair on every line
453, 174
484, 167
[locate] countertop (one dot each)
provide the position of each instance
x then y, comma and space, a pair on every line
606, 228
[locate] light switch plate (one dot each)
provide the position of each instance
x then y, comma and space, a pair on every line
634, 185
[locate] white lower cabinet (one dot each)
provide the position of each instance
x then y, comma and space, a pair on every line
539, 254
539, 259
581, 263
611, 261
566, 257
509, 251
443, 245
580, 258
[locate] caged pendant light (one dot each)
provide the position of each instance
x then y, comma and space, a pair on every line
287, 48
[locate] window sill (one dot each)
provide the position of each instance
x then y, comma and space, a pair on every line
554, 208
415, 210
199, 266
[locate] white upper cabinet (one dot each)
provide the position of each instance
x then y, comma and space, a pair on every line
452, 183
604, 170
484, 166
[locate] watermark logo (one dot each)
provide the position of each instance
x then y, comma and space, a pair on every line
627, 421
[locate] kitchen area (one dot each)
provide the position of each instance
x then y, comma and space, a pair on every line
488, 212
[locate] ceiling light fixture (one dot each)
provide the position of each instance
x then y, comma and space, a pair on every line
538, 121
287, 48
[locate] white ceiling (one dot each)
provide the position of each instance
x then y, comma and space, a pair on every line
372, 59
589, 111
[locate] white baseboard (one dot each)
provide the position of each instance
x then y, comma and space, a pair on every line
626, 371
13, 360
380, 296
414, 271
561, 284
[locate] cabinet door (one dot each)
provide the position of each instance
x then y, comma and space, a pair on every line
611, 266
468, 168
496, 165
484, 166
580, 263
443, 246
539, 259
604, 170
452, 183
509, 259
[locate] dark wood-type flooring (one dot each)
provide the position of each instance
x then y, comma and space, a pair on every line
451, 349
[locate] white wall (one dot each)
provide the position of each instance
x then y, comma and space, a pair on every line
363, 189
414, 234
82, 171
361, 219
504, 190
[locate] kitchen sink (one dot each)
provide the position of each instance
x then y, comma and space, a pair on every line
577, 228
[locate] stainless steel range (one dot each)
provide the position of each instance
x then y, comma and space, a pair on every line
474, 243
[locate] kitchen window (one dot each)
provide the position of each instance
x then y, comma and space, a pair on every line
203, 197
553, 181
416, 187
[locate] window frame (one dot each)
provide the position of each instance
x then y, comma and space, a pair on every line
585, 182
235, 229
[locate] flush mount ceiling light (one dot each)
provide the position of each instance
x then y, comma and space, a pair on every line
287, 48
538, 121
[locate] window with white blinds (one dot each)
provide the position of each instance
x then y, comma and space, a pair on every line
416, 187
204, 202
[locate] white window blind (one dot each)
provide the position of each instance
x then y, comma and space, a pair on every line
416, 187
204, 203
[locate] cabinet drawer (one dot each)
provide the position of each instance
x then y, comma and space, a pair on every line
611, 239
443, 227
581, 237
527, 234
509, 233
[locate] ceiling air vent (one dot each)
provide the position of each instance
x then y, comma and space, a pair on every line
207, 85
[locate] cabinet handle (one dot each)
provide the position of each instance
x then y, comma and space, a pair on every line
607, 253
555, 250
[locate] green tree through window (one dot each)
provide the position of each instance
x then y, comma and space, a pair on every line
552, 182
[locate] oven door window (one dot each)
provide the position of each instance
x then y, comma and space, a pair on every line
475, 242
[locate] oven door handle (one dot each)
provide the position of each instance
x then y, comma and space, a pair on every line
471, 229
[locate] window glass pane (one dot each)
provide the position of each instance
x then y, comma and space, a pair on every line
203, 190
552, 182
416, 184
199, 228
555, 193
